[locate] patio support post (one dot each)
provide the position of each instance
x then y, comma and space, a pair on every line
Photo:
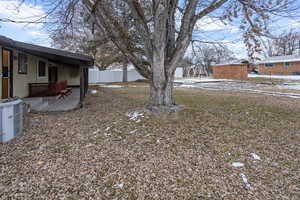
82, 83
86, 80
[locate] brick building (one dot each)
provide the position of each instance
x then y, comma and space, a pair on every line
231, 71
280, 65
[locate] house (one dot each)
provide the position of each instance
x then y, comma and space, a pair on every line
237, 71
28, 70
280, 65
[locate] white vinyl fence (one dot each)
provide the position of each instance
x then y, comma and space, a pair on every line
107, 76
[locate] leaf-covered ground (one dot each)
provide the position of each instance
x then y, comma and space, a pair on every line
105, 152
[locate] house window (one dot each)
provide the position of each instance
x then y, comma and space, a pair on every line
41, 69
286, 64
22, 64
269, 64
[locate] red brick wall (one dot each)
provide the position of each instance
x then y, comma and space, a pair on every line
233, 71
279, 69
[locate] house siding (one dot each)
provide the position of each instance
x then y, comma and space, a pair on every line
229, 71
279, 69
1, 71
21, 81
71, 74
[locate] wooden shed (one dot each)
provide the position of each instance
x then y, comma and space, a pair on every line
230, 71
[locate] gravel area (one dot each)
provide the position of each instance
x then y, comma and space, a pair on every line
224, 145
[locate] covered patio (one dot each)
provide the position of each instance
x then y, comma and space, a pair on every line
46, 78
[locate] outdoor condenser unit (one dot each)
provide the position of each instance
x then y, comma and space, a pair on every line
11, 119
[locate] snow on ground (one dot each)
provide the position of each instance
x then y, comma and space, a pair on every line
289, 87
112, 86
237, 164
287, 77
186, 86
121, 185
255, 156
135, 116
200, 80
246, 87
245, 181
94, 91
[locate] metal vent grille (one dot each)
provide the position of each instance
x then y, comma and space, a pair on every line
17, 119
11, 120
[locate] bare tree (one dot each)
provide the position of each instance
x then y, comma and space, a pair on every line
287, 43
160, 31
204, 55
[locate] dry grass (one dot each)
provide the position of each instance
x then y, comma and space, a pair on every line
85, 154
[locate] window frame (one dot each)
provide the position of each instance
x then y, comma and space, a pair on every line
287, 64
38, 71
19, 63
269, 64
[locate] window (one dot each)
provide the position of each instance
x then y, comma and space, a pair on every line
286, 64
22, 64
269, 64
41, 68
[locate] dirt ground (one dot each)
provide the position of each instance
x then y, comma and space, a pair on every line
98, 152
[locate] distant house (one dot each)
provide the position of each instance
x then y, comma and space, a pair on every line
237, 71
32, 70
280, 65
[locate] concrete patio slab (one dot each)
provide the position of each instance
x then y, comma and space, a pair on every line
52, 104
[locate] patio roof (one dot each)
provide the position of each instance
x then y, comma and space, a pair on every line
54, 55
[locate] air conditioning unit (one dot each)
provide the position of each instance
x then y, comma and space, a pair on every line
11, 119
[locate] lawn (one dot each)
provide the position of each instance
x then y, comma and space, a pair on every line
98, 152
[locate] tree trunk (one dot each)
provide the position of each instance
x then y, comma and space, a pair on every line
125, 79
161, 95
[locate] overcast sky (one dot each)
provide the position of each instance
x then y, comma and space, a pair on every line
34, 33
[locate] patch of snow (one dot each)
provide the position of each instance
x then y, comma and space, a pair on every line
107, 129
121, 185
289, 87
112, 86
199, 80
245, 181
237, 164
98, 84
287, 77
94, 91
255, 156
135, 116
186, 86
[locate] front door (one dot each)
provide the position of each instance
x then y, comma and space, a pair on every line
52, 74
6, 73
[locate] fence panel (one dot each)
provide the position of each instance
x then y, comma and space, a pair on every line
108, 76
